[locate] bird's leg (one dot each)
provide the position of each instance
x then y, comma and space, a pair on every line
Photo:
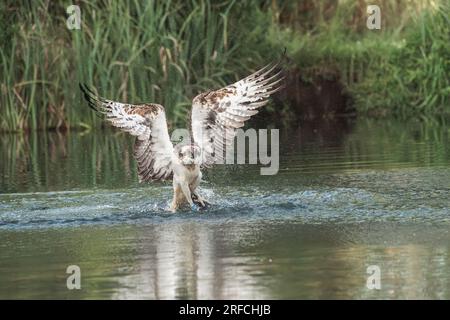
187, 193
175, 204
177, 197
196, 197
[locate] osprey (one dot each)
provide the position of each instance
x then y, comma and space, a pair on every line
215, 116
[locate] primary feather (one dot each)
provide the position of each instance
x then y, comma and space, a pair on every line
217, 114
147, 122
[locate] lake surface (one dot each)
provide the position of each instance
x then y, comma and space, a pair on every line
349, 195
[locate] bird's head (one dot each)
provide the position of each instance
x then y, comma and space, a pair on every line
188, 154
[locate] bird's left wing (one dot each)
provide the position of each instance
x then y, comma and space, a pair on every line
147, 122
217, 114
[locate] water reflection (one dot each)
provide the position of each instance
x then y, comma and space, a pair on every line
54, 161
226, 261
46, 161
186, 261
375, 194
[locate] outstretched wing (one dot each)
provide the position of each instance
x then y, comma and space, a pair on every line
217, 114
152, 149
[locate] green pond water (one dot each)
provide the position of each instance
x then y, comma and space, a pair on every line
349, 195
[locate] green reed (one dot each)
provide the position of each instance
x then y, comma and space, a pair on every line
402, 69
169, 51
164, 52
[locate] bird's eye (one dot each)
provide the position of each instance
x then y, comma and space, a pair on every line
180, 154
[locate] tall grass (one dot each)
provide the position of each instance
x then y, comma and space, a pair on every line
402, 69
135, 51
168, 51
415, 78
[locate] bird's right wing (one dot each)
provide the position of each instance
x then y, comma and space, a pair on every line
147, 122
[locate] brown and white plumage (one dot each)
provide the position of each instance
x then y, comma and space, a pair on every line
147, 122
214, 119
217, 114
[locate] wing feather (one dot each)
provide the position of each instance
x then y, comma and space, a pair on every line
217, 114
147, 122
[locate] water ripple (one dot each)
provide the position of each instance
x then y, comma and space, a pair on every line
149, 205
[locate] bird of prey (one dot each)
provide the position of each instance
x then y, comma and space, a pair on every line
215, 116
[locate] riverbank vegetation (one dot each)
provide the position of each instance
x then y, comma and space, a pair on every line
169, 51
